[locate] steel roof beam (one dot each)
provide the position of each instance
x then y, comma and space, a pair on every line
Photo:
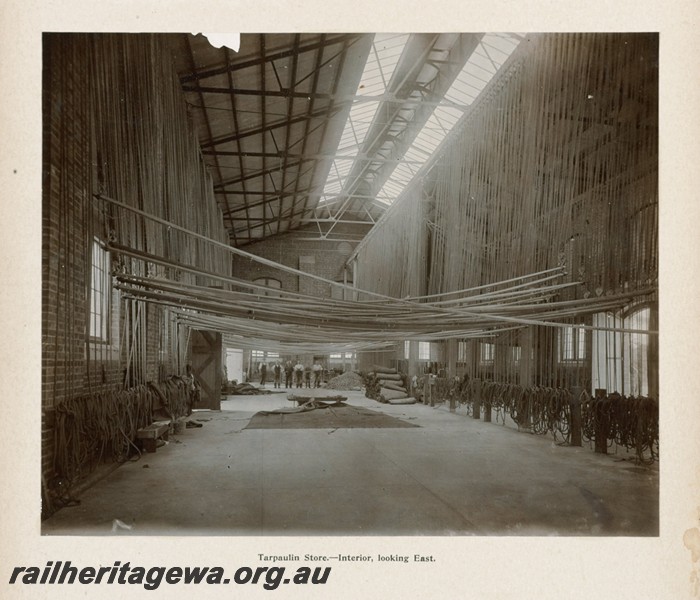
290, 110
235, 122
262, 173
401, 85
206, 117
244, 64
286, 93
319, 114
458, 55
282, 154
314, 86
348, 86
244, 207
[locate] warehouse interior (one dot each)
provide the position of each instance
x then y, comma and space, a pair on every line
454, 235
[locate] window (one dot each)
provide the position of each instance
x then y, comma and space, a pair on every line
461, 352
423, 350
516, 354
275, 284
487, 353
407, 350
572, 344
100, 291
636, 351
341, 358
621, 359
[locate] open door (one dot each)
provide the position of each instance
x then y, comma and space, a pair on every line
234, 364
205, 353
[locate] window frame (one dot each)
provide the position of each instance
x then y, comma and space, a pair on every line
421, 350
487, 353
100, 318
571, 344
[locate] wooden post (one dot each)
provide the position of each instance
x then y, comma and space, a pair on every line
653, 353
451, 350
205, 353
575, 411
601, 425
487, 410
476, 403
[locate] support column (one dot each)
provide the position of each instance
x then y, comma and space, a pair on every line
487, 410
427, 396
575, 412
527, 365
451, 350
451, 357
476, 403
601, 424
412, 364
653, 353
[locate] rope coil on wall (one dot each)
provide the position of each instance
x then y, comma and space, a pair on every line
93, 429
614, 420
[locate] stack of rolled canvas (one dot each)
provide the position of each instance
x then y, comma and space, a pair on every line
391, 388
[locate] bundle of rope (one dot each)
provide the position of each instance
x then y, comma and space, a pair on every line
442, 389
91, 429
96, 427
630, 422
242, 308
541, 409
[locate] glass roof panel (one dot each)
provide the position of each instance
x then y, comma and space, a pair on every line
488, 57
383, 58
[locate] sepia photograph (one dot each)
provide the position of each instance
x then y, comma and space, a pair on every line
380, 300
350, 284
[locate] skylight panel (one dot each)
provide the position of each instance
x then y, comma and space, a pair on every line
381, 62
488, 57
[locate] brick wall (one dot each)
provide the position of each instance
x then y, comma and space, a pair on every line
90, 105
66, 178
323, 258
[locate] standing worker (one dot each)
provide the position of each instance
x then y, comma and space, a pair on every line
299, 371
288, 374
317, 369
263, 374
193, 389
277, 370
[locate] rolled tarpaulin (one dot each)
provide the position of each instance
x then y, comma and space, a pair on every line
392, 386
389, 376
403, 401
388, 395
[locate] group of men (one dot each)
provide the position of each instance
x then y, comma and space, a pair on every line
294, 373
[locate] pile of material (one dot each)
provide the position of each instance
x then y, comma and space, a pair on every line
387, 385
245, 389
307, 402
346, 381
325, 416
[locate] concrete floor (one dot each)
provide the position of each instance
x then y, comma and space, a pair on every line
451, 476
